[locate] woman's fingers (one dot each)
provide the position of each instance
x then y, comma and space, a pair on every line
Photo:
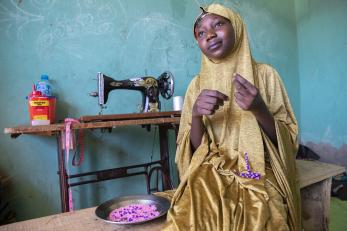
240, 88
245, 93
242, 85
209, 101
215, 94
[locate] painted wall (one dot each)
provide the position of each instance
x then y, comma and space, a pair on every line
322, 43
71, 41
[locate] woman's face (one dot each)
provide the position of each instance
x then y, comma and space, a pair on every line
215, 36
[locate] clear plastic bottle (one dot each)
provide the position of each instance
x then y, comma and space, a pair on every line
44, 86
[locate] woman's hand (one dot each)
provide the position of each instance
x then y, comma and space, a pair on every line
208, 102
248, 98
247, 95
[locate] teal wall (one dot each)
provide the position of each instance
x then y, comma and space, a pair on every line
71, 41
322, 43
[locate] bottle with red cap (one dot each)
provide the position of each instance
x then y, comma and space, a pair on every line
41, 108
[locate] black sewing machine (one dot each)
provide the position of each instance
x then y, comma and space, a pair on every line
149, 87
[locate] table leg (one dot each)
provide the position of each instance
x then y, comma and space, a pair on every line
315, 206
164, 156
64, 194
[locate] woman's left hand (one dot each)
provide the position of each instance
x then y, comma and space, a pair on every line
247, 95
248, 98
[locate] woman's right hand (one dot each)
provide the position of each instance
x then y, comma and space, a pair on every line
208, 102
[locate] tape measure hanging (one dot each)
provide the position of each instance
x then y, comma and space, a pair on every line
69, 140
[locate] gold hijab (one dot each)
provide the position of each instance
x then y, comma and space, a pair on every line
233, 128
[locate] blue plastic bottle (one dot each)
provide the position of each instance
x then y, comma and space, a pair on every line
44, 86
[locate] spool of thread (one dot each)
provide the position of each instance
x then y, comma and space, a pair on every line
177, 103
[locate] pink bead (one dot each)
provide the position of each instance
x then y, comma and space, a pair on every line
134, 213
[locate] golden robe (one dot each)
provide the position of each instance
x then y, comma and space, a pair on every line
211, 194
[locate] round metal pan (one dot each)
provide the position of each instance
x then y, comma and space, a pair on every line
103, 211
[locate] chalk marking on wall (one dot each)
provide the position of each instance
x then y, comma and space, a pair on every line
4, 11
50, 38
17, 18
43, 4
154, 23
92, 19
23, 12
197, 3
104, 16
205, 3
106, 13
157, 33
86, 23
151, 20
77, 52
59, 31
122, 7
44, 41
88, 3
327, 136
102, 11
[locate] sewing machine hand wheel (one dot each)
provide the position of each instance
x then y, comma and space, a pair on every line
166, 85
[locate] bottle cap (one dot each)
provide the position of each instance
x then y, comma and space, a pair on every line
35, 93
44, 77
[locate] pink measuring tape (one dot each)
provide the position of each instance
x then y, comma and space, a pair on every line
68, 137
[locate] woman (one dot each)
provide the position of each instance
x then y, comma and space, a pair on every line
237, 139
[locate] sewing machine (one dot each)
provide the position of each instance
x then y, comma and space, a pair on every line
149, 87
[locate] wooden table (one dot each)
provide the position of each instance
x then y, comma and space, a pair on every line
164, 120
81, 220
314, 178
315, 184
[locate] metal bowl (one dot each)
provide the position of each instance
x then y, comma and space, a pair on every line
103, 211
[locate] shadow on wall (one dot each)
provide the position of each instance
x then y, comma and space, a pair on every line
330, 154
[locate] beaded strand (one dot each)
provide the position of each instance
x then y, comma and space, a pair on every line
249, 174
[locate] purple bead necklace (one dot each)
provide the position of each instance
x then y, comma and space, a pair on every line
249, 174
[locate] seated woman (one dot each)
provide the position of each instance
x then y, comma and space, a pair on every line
237, 139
